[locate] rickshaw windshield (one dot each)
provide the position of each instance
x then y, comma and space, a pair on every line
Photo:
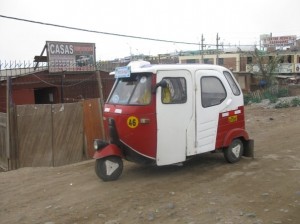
135, 90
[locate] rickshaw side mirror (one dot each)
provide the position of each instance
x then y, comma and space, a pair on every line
163, 83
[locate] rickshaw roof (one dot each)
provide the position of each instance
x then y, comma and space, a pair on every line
146, 67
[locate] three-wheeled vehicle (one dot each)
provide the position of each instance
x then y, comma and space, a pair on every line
165, 114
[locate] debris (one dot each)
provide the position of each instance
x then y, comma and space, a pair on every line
115, 221
250, 214
101, 215
170, 205
151, 216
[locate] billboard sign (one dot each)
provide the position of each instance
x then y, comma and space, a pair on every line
280, 41
280, 68
70, 56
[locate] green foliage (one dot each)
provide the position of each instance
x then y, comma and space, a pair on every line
265, 66
283, 92
272, 94
273, 97
256, 100
247, 99
295, 102
282, 104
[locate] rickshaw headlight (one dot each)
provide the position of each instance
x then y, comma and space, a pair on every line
99, 144
96, 144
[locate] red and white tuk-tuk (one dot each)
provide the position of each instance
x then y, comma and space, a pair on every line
165, 114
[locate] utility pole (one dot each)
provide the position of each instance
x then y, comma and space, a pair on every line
130, 51
218, 38
202, 40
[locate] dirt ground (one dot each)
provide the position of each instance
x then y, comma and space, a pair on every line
265, 189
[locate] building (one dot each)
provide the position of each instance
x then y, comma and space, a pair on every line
242, 62
29, 86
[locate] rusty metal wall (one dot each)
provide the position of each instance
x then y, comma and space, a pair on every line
93, 127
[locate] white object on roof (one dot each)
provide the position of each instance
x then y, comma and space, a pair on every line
138, 64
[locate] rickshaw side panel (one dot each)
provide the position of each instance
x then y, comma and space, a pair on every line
230, 122
139, 136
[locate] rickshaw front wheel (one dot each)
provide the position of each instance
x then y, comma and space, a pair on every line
109, 168
234, 151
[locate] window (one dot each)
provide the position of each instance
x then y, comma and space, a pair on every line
191, 61
207, 61
249, 60
212, 91
220, 61
175, 92
135, 90
281, 59
234, 87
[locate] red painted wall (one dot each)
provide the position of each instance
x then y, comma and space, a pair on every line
23, 96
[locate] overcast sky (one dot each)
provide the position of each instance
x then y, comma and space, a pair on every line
236, 21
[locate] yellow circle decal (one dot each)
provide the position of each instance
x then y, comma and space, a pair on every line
132, 122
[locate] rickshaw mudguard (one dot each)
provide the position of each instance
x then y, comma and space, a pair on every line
240, 133
109, 150
235, 133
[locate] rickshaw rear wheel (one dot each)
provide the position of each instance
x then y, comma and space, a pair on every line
109, 168
234, 151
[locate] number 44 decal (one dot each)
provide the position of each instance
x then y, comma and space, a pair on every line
132, 122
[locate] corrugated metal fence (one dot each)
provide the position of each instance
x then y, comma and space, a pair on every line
52, 134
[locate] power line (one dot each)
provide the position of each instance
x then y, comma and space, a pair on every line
112, 34
99, 32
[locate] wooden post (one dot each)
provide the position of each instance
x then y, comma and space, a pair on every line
8, 79
11, 130
101, 102
13, 138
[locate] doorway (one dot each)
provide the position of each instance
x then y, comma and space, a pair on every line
45, 95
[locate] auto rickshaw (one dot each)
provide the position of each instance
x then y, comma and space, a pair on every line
166, 114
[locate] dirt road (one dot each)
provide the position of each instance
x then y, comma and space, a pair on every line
205, 190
